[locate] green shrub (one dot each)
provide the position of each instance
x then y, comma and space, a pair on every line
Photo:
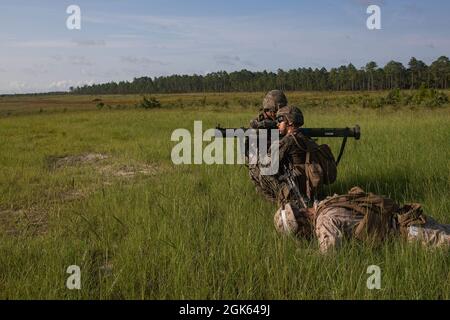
435, 99
393, 97
148, 103
429, 97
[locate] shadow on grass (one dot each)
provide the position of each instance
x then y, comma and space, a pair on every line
392, 184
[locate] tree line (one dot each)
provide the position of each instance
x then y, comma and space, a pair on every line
344, 78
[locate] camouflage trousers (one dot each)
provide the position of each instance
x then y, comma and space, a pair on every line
271, 187
430, 234
268, 186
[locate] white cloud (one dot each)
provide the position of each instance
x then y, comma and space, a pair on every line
57, 57
64, 85
27, 87
125, 36
80, 61
141, 60
226, 60
89, 42
36, 70
40, 44
19, 85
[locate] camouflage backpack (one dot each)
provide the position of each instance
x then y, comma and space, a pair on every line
320, 166
379, 212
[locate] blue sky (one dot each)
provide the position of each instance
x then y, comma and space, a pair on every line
122, 39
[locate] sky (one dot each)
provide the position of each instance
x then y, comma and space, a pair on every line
123, 39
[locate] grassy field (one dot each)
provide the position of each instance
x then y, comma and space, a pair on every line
96, 188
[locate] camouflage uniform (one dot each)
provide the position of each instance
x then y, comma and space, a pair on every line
333, 224
266, 185
274, 100
430, 234
291, 157
331, 221
261, 122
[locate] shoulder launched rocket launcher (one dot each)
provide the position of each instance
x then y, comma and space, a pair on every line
354, 132
344, 133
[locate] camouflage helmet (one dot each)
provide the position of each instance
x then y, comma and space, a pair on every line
292, 221
285, 221
292, 114
274, 100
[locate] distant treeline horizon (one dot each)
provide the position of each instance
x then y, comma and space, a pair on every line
344, 78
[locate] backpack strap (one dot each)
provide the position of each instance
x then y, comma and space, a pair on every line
308, 147
298, 144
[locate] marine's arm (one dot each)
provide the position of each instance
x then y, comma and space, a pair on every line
263, 124
283, 147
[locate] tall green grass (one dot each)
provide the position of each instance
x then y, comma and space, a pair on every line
198, 231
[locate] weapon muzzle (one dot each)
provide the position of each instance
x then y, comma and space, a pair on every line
356, 132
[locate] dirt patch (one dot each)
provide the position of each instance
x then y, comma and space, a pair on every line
31, 221
107, 169
75, 194
130, 171
56, 162
17, 221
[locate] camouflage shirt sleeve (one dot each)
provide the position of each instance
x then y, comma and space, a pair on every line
284, 148
332, 225
328, 234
